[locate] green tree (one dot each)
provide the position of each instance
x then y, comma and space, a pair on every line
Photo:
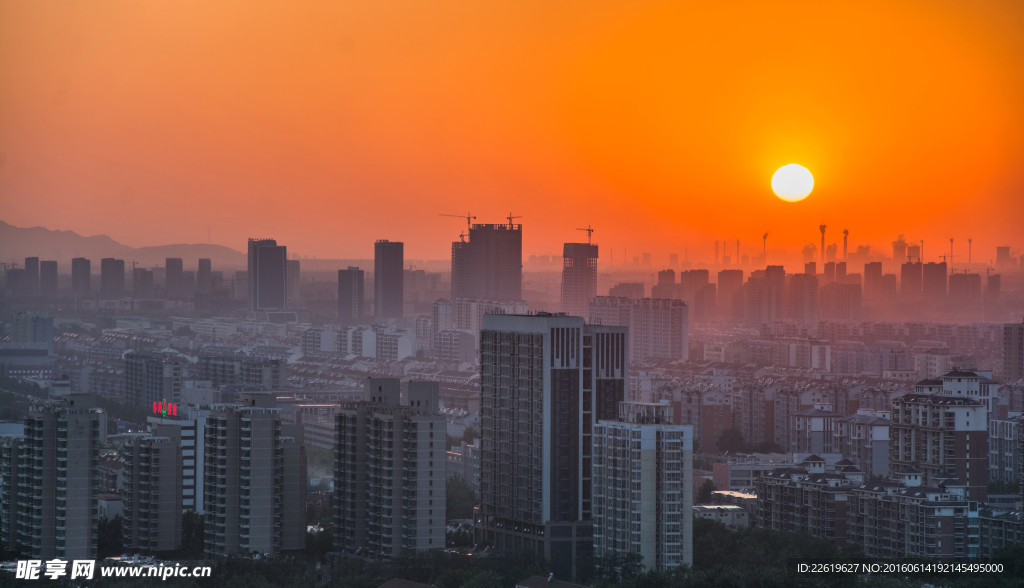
460, 498
731, 440
705, 493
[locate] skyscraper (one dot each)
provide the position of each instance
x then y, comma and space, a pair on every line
31, 285
1013, 352
174, 267
389, 474
48, 279
111, 278
545, 380
490, 265
579, 277
388, 283
350, 295
204, 276
81, 274
267, 274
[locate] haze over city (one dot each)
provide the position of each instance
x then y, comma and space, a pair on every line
659, 124
512, 294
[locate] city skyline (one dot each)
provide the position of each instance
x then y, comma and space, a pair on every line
659, 125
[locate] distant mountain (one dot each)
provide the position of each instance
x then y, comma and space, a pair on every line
17, 243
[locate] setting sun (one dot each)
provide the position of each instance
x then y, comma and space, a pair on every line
792, 182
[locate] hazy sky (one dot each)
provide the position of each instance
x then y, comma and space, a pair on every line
331, 124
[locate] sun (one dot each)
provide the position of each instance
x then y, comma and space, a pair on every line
792, 182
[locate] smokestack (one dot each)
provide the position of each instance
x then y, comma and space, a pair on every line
968, 251
921, 258
716, 252
846, 233
764, 250
822, 229
951, 254
737, 251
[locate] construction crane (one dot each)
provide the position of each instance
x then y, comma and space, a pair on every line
590, 232
510, 217
469, 218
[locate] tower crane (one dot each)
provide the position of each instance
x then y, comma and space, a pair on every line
510, 217
590, 231
469, 218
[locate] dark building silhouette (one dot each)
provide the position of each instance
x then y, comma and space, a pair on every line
294, 269
111, 278
81, 276
633, 290
204, 276
1013, 352
934, 281
872, 279
350, 295
142, 283
802, 298
490, 265
174, 287
31, 278
965, 289
579, 277
268, 274
48, 279
730, 293
388, 280
911, 280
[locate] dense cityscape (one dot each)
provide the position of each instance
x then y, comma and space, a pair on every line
378, 414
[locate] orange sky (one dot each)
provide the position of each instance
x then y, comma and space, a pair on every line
331, 124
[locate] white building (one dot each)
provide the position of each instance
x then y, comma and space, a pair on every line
643, 486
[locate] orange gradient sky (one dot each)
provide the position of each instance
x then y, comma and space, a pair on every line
331, 124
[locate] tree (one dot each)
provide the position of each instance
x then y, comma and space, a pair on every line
192, 535
460, 498
705, 493
731, 440
470, 433
109, 541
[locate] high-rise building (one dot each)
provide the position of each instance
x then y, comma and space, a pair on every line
658, 328
730, 293
389, 474
174, 287
545, 380
911, 280
50, 481
142, 283
150, 378
802, 298
152, 494
490, 265
933, 281
350, 295
231, 368
388, 284
579, 277
31, 284
268, 273
1013, 352
872, 279
81, 274
294, 269
204, 276
48, 279
643, 487
111, 278
255, 480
